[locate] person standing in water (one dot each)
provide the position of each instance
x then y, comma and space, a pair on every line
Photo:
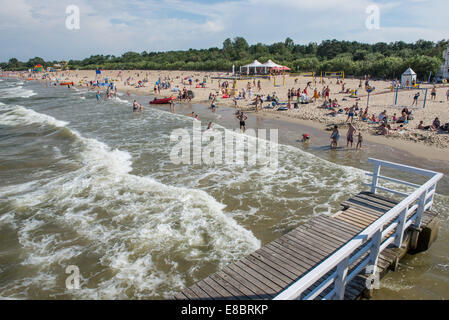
135, 106
335, 136
98, 95
242, 118
350, 135
359, 141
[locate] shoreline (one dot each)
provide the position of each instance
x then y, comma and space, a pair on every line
416, 148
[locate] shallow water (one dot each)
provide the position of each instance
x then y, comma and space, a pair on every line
92, 185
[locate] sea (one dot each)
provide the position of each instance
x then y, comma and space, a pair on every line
91, 186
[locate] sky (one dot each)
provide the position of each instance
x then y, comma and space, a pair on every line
30, 28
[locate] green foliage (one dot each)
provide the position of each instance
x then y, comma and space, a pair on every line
379, 59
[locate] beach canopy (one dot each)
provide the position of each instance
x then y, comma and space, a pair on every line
271, 64
282, 68
38, 68
254, 65
408, 77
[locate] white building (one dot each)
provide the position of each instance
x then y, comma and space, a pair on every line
444, 72
408, 78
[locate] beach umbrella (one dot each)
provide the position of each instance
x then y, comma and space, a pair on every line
38, 68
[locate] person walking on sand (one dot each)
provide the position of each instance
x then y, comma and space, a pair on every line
359, 141
335, 136
350, 135
351, 114
415, 99
433, 94
447, 95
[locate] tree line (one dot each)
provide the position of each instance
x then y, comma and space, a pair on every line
379, 60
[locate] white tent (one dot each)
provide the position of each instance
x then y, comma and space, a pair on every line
408, 78
270, 64
255, 64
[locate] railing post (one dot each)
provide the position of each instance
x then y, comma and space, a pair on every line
399, 234
420, 210
376, 172
340, 279
374, 251
433, 188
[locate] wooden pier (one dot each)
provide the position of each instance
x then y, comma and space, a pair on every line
333, 257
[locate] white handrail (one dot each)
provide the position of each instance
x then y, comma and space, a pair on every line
295, 290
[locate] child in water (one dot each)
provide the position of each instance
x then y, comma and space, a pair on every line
359, 141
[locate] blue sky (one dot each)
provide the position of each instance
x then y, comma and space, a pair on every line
30, 28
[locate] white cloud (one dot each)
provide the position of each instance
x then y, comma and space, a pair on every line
37, 28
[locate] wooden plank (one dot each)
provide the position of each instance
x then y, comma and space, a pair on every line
264, 259
299, 250
370, 204
340, 225
302, 260
253, 261
256, 291
379, 197
353, 221
255, 280
311, 246
180, 296
328, 232
342, 231
289, 249
209, 290
278, 279
362, 208
318, 238
261, 276
365, 216
190, 294
375, 200
229, 287
281, 261
200, 292
238, 284
321, 235
222, 293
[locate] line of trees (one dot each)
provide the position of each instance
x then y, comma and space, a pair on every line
379, 60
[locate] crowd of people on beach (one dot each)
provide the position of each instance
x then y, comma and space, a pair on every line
383, 123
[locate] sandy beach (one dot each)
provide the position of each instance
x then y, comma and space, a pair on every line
424, 143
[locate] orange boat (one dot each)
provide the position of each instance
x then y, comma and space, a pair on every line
66, 84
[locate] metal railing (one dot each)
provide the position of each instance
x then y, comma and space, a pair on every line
362, 251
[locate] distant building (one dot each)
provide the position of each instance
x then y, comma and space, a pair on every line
444, 72
408, 78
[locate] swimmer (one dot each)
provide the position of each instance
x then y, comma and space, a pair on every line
135, 106
209, 126
305, 138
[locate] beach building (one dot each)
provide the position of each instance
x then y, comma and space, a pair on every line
408, 78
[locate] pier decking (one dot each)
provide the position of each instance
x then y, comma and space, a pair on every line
331, 257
